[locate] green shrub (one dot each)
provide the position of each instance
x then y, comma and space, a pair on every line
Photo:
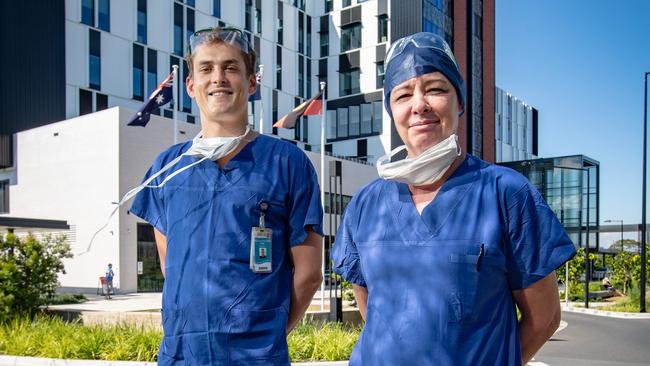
66, 298
327, 341
51, 337
28, 272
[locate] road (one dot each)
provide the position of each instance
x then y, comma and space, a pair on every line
598, 341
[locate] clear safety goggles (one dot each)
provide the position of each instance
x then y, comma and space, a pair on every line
436, 43
232, 36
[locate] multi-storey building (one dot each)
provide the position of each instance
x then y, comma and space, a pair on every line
516, 128
68, 58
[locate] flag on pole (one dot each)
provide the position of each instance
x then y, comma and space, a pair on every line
161, 96
311, 107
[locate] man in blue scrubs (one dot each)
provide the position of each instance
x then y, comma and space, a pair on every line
442, 248
239, 237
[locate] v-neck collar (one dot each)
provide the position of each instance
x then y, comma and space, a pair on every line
434, 215
237, 167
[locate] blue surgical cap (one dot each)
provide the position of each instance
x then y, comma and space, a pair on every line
419, 54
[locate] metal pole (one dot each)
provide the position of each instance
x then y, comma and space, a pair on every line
587, 267
643, 233
322, 187
176, 103
622, 246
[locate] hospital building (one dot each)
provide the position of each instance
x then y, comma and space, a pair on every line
74, 71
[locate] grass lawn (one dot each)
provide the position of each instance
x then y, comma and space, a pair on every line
51, 337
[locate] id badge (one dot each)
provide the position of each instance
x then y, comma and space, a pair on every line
260, 260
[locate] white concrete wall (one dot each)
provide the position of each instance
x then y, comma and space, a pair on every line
72, 176
138, 149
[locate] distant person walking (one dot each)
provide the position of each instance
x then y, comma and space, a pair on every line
109, 281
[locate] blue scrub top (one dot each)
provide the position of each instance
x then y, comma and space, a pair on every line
428, 301
215, 310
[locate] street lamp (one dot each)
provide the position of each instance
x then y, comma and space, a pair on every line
621, 221
643, 219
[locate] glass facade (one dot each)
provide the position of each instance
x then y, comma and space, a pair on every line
142, 21
570, 185
138, 72
438, 18
4, 196
350, 37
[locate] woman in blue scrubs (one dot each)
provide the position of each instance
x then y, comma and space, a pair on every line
441, 248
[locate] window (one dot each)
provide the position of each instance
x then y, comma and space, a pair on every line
189, 26
342, 122
345, 3
178, 29
101, 101
278, 67
4, 196
366, 119
94, 60
308, 36
380, 75
187, 101
85, 102
353, 120
377, 113
88, 12
350, 37
308, 77
349, 82
280, 23
190, 2
329, 5
301, 77
248, 21
382, 31
331, 125
191, 119
138, 72
152, 70
324, 44
301, 32
300, 4
104, 16
362, 149
258, 19
142, 21
216, 8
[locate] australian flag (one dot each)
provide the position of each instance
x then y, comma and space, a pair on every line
161, 96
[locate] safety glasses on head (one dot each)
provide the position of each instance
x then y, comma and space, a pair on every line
421, 41
232, 36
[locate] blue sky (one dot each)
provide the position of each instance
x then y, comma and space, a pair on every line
581, 64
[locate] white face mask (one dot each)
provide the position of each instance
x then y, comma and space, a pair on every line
423, 169
212, 148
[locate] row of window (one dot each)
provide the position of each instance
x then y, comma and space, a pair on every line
355, 121
339, 202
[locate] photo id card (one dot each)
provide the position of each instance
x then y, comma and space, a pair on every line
260, 259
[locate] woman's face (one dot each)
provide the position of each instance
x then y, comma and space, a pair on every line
425, 110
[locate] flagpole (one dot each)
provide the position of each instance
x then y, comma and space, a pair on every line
259, 85
322, 187
176, 105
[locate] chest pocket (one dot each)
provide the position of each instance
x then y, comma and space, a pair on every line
477, 279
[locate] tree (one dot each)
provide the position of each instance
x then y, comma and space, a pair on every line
29, 271
628, 245
576, 270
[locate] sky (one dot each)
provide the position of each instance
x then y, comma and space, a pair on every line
581, 64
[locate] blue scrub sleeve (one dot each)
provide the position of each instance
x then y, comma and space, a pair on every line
305, 206
538, 243
148, 204
344, 253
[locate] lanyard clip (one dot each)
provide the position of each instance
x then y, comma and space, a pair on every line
263, 206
